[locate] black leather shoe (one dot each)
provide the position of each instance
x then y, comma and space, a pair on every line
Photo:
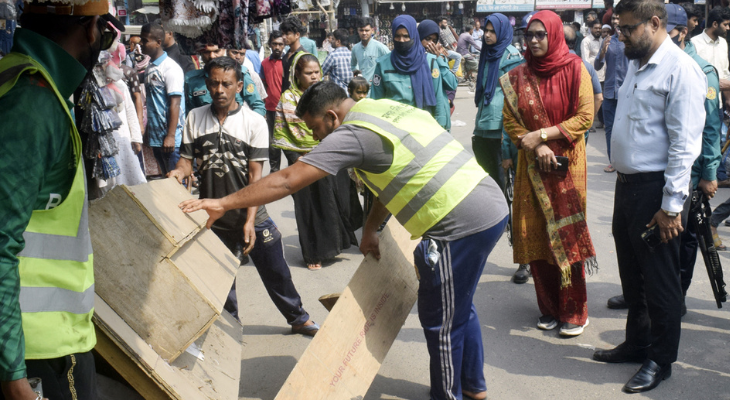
648, 377
617, 303
623, 353
522, 274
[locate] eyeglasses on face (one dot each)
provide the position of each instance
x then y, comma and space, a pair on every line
627, 30
540, 35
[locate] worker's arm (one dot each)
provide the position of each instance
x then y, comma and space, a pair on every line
249, 228
173, 116
370, 240
183, 169
271, 188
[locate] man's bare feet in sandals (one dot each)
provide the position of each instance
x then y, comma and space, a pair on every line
475, 396
309, 328
314, 267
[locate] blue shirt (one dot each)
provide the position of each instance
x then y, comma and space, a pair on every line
616, 64
337, 66
365, 58
255, 60
658, 125
309, 45
164, 78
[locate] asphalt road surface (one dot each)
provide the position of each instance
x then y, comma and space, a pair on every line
521, 362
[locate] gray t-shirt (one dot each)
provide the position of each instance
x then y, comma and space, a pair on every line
351, 146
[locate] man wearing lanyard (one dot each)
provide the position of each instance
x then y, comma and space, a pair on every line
657, 138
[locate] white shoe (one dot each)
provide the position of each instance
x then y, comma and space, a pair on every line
572, 330
546, 323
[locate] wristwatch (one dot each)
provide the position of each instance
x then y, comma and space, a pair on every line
670, 214
543, 134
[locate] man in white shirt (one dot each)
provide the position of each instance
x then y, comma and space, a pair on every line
476, 34
591, 46
657, 135
586, 28
712, 46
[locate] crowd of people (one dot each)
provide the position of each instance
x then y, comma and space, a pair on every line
374, 122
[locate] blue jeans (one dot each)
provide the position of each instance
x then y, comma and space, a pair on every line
457, 60
447, 313
167, 161
609, 113
268, 258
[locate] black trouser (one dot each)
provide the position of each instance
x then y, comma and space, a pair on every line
488, 153
687, 251
649, 277
65, 378
274, 153
268, 258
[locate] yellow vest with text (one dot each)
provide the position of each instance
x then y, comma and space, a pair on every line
56, 264
431, 172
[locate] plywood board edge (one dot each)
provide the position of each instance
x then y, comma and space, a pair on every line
195, 338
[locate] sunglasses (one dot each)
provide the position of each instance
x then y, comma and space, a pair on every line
108, 36
540, 35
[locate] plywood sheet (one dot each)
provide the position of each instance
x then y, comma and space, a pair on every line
215, 376
209, 265
344, 357
156, 268
159, 199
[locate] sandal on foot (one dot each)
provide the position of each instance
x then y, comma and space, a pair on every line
609, 169
314, 267
718, 243
307, 330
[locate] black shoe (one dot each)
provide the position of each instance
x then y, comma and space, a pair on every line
617, 303
621, 354
522, 274
648, 377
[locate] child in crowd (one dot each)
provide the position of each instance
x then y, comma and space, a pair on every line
358, 88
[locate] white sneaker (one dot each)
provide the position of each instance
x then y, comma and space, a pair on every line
572, 330
546, 323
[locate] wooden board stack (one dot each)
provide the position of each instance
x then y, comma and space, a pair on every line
161, 282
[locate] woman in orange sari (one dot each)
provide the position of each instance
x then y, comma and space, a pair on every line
548, 107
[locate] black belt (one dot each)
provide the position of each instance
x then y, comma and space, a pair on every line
640, 177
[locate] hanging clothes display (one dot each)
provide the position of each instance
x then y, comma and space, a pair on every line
189, 18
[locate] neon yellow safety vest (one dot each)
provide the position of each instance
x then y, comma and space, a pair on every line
431, 172
56, 265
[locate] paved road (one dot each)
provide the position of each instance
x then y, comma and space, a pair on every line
521, 362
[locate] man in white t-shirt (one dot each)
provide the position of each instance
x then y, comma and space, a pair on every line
233, 143
711, 46
165, 84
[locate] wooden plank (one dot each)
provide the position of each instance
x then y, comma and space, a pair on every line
127, 368
216, 376
159, 200
168, 302
346, 354
209, 265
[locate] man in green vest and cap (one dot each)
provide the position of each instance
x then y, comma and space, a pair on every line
46, 261
432, 186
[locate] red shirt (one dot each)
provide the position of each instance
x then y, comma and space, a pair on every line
271, 74
607, 17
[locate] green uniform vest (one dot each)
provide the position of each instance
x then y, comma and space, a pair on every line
431, 172
56, 265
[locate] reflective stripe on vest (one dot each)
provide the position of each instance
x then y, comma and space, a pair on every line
425, 167
56, 265
49, 299
58, 247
